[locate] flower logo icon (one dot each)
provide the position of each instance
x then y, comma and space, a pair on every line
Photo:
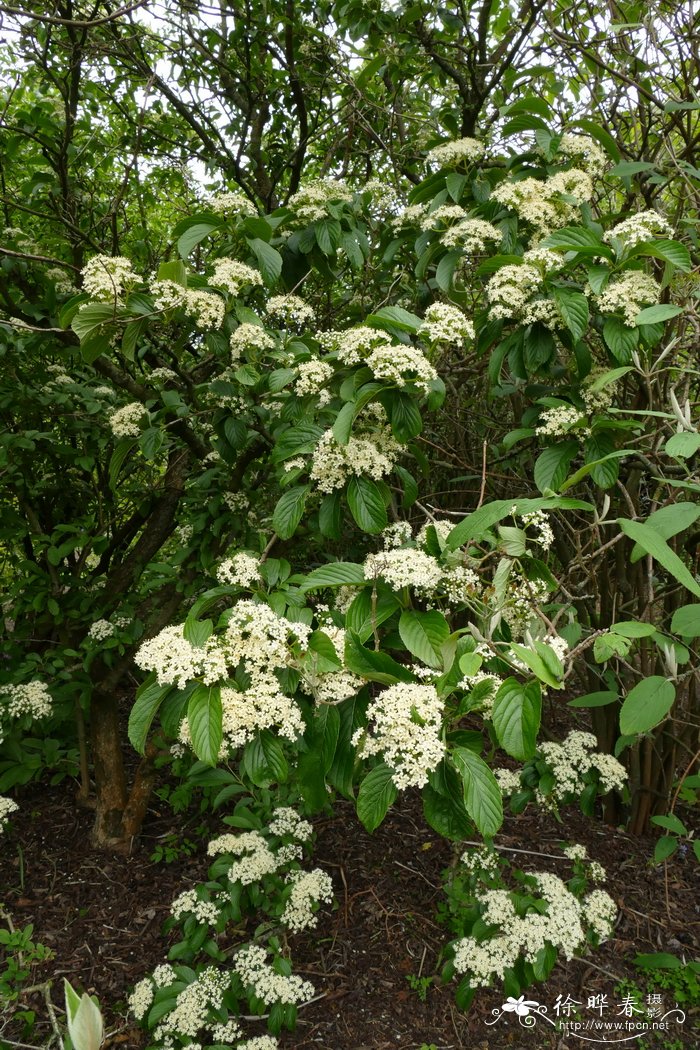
521, 1006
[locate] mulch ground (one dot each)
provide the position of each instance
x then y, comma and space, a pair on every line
102, 915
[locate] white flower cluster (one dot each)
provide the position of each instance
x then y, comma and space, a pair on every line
644, 226
106, 277
541, 203
486, 696
270, 987
311, 201
480, 860
289, 311
101, 630
286, 821
539, 521
371, 454
7, 806
232, 275
329, 687
396, 534
249, 336
125, 422
243, 570
353, 344
188, 903
443, 215
562, 925
411, 216
311, 376
556, 421
571, 760
510, 289
307, 889
450, 154
245, 712
401, 365
254, 634
162, 375
522, 599
627, 294
232, 203
255, 856
471, 234
405, 567
508, 780
33, 699
406, 723
444, 323
207, 308
193, 1005
586, 149
167, 294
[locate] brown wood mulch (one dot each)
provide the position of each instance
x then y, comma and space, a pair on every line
102, 914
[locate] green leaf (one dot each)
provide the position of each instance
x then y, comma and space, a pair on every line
552, 464
335, 574
395, 317
289, 511
326, 655
377, 793
663, 849
342, 427
671, 823
370, 609
330, 516
544, 663
670, 251
204, 718
424, 634
646, 705
371, 665
479, 522
523, 122
631, 167
601, 699
577, 238
269, 259
89, 320
610, 644
173, 271
366, 504
686, 621
682, 446
658, 961
573, 307
482, 795
620, 339
516, 717
118, 459
668, 522
274, 756
633, 629
194, 234
650, 541
657, 314
404, 416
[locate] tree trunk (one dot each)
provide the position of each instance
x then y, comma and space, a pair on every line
108, 761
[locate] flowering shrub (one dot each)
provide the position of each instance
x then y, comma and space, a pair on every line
255, 872
516, 935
